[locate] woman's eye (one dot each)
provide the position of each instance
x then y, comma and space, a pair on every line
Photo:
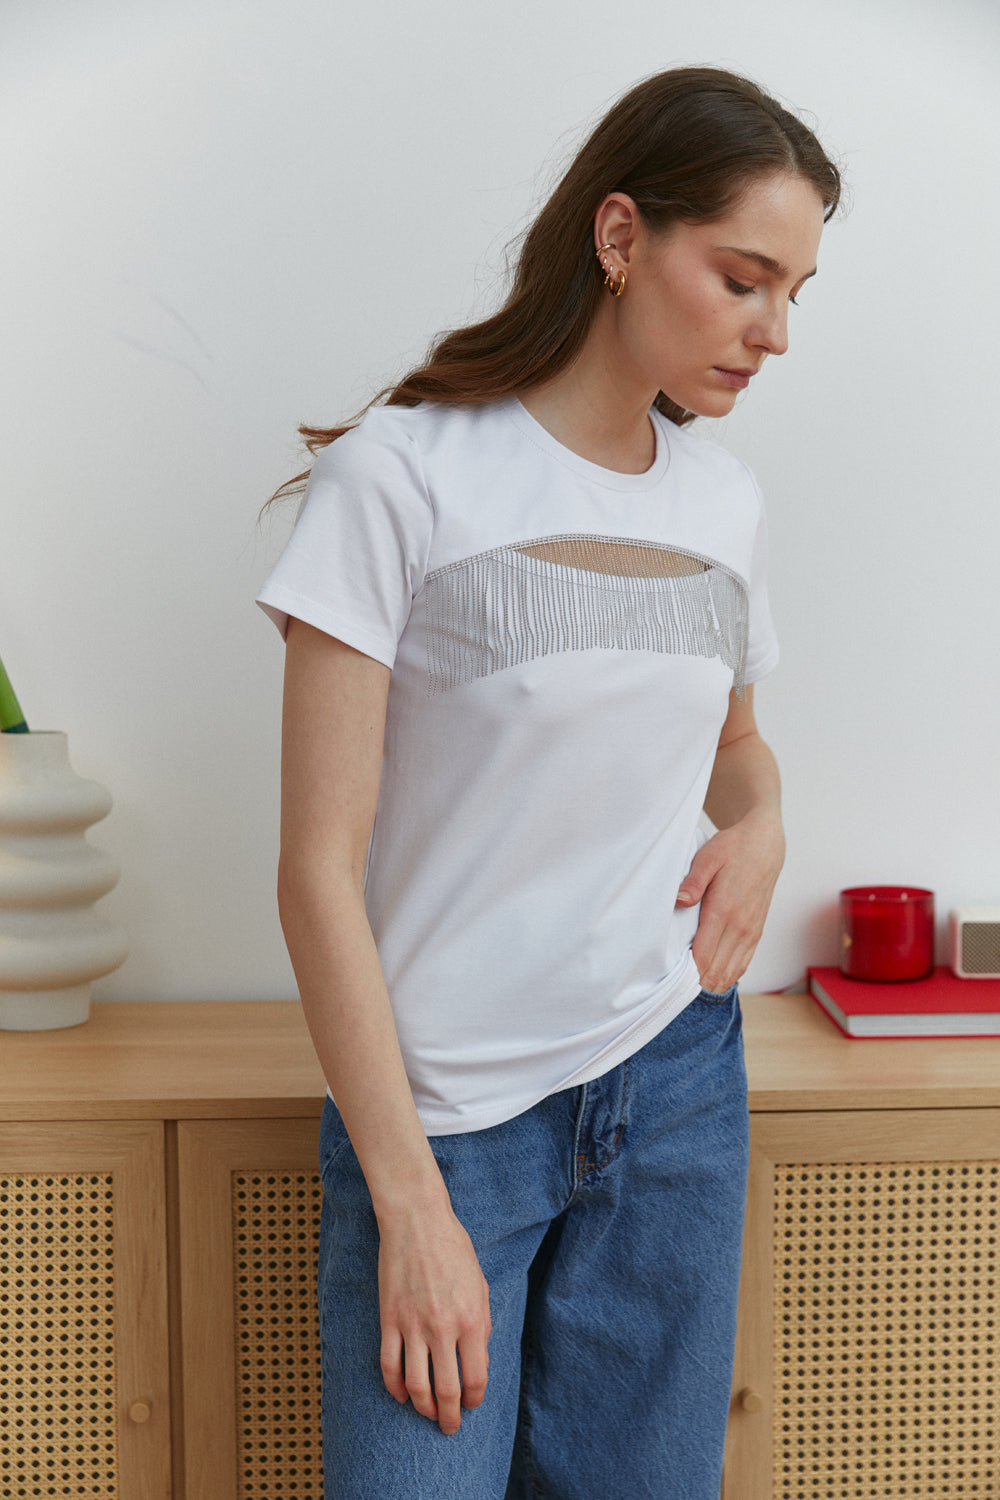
738, 287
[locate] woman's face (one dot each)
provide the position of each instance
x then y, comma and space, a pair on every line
705, 304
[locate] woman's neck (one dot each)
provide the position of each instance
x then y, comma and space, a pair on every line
591, 410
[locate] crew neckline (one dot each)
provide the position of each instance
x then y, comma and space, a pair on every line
612, 479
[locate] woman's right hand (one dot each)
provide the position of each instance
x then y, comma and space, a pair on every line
434, 1299
435, 1311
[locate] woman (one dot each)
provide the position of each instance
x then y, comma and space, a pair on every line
524, 611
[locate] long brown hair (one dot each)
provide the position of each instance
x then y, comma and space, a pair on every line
683, 144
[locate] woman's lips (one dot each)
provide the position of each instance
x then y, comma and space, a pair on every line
738, 379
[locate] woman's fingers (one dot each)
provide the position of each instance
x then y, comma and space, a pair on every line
724, 945
391, 1363
447, 1391
475, 1364
417, 1375
435, 1383
734, 875
435, 1308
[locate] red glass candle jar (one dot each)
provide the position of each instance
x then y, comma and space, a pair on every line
886, 932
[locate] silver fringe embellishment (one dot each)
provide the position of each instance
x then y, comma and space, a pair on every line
516, 603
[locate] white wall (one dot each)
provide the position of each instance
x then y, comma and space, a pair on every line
222, 219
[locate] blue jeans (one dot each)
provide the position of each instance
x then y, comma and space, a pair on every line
608, 1224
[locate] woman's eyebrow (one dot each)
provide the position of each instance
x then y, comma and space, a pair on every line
774, 267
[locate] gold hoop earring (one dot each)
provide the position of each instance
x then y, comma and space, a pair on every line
615, 291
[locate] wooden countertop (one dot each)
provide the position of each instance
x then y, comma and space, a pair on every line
232, 1059
798, 1060
165, 1060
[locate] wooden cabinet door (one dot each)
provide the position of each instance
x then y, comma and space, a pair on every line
84, 1362
866, 1356
248, 1212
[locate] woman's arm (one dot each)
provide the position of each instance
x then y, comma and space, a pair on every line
433, 1297
734, 874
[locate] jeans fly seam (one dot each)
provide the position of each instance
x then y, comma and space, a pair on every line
583, 1167
579, 1157
619, 1128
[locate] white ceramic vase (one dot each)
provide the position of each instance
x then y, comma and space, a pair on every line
53, 943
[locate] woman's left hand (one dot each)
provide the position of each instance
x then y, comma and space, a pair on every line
733, 875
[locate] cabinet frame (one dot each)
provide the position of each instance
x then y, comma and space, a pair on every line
133, 1154
854, 1138
208, 1153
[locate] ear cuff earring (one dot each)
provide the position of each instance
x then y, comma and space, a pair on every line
615, 288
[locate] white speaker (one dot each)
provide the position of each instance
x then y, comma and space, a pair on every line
975, 942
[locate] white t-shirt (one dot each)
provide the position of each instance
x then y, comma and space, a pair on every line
563, 640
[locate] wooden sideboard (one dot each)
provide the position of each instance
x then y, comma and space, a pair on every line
158, 1217
158, 1175
866, 1357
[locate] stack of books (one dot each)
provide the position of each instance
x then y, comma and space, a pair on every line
940, 1005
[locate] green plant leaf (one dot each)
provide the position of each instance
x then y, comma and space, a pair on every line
11, 717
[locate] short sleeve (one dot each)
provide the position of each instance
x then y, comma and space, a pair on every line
358, 553
762, 640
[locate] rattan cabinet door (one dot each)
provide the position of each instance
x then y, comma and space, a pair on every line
84, 1363
249, 1202
866, 1361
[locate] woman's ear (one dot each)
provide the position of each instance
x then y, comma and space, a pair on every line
617, 223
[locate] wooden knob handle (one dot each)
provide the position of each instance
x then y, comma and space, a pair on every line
140, 1411
751, 1400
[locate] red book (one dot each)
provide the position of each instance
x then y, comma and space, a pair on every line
940, 1005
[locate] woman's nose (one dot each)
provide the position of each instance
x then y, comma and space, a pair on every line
771, 333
